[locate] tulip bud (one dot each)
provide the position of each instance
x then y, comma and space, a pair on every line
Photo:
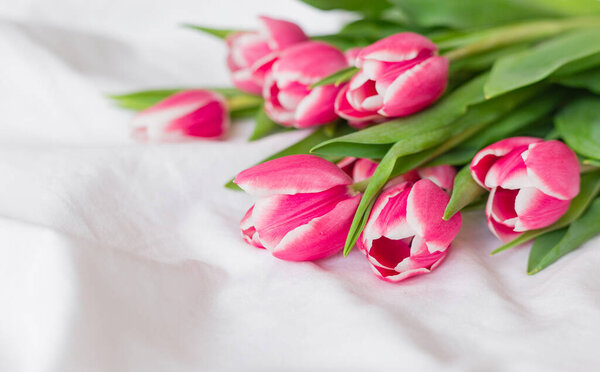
531, 183
304, 207
405, 234
399, 75
187, 114
288, 99
252, 53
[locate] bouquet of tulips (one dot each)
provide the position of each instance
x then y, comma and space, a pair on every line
413, 113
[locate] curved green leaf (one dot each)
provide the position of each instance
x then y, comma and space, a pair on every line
579, 125
218, 32
464, 192
547, 251
589, 79
533, 65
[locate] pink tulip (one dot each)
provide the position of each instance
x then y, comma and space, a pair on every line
288, 99
252, 53
187, 114
304, 207
358, 169
405, 234
351, 55
532, 182
399, 75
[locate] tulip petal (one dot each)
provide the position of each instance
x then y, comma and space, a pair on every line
282, 34
425, 207
536, 210
509, 171
388, 216
245, 81
363, 169
248, 231
399, 47
291, 175
553, 168
317, 107
209, 121
501, 206
441, 175
344, 109
502, 232
297, 63
321, 236
485, 159
416, 88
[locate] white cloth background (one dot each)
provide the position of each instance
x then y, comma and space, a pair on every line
119, 256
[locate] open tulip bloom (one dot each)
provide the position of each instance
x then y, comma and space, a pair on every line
420, 120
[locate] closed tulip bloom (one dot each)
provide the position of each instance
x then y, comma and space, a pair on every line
184, 115
405, 234
399, 75
531, 183
303, 210
288, 99
252, 53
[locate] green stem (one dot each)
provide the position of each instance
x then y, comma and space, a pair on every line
523, 32
361, 186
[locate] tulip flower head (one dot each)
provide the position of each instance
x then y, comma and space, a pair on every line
251, 53
405, 234
303, 210
399, 75
288, 99
184, 115
531, 183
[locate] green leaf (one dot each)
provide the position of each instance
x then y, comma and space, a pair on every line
580, 231
534, 65
264, 126
585, 79
240, 104
218, 32
336, 78
469, 13
541, 246
526, 115
373, 29
142, 100
590, 186
464, 192
371, 7
302, 147
592, 162
579, 125
441, 114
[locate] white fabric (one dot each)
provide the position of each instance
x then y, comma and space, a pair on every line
119, 256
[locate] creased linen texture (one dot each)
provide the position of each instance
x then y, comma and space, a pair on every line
121, 256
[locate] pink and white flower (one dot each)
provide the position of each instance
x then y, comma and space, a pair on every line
399, 75
304, 207
252, 53
184, 115
531, 183
288, 99
405, 234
